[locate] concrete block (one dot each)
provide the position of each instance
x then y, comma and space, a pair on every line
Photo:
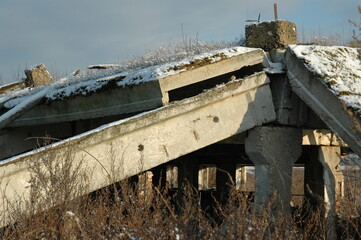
37, 76
271, 35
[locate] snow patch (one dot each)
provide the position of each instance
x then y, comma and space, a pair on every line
338, 67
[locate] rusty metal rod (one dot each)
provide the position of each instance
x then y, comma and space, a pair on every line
275, 11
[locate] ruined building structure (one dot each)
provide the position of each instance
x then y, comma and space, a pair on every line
271, 104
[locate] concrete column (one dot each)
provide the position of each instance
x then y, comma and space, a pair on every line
321, 180
145, 186
187, 175
273, 150
225, 178
187, 171
241, 177
159, 177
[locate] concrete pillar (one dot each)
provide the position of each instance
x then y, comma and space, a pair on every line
225, 179
145, 186
322, 181
172, 176
207, 177
159, 177
273, 150
187, 175
241, 177
187, 171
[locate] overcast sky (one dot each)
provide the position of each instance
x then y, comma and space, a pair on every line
69, 34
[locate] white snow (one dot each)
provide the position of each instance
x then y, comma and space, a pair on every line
338, 67
275, 68
70, 214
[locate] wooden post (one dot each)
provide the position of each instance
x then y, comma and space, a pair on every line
275, 11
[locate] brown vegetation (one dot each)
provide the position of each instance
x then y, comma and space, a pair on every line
127, 211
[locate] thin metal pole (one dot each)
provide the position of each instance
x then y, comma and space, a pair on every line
275, 11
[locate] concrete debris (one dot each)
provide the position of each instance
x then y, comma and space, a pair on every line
37, 76
271, 35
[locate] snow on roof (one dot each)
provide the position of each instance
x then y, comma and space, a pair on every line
84, 84
338, 67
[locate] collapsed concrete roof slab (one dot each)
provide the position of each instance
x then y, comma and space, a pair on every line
117, 91
328, 80
152, 138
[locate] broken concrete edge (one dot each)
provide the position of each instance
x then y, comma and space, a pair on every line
5, 89
323, 102
160, 114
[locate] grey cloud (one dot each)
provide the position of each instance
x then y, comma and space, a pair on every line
71, 34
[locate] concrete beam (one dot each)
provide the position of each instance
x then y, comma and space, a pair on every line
153, 138
320, 137
323, 102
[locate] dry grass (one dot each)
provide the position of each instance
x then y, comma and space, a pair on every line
131, 210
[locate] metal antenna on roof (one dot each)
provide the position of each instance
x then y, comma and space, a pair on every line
258, 20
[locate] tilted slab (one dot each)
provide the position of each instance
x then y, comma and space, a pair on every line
328, 80
108, 102
115, 91
152, 138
